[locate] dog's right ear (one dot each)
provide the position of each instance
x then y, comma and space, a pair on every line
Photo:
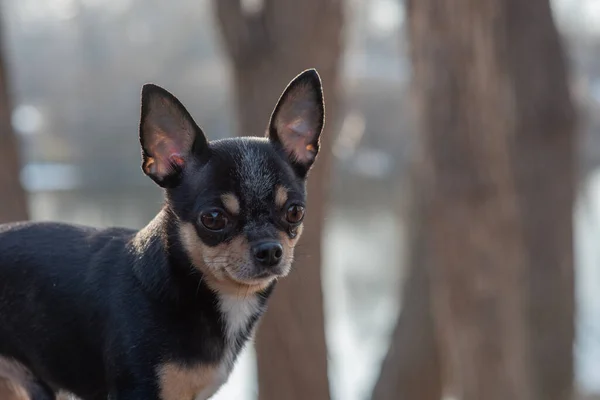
168, 135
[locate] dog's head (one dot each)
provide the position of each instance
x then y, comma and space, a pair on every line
239, 203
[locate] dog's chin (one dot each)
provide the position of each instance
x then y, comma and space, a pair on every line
260, 278
254, 280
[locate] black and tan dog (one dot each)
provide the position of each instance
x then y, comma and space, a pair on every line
162, 313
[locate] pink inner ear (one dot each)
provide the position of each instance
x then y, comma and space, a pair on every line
165, 153
297, 139
177, 159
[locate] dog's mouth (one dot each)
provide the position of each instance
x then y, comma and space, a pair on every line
259, 278
252, 275
244, 284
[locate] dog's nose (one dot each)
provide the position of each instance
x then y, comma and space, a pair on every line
267, 254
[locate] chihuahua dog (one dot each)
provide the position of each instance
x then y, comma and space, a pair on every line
162, 313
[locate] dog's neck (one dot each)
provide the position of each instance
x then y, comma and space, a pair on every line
166, 271
156, 263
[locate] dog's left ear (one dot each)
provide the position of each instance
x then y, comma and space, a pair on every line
298, 119
168, 135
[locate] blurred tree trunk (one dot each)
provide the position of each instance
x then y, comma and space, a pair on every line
411, 370
13, 202
498, 136
268, 47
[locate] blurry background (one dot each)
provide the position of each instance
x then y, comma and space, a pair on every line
73, 72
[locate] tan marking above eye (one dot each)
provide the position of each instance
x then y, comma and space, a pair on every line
231, 203
281, 196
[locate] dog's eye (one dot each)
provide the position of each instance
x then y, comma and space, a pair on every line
295, 214
214, 220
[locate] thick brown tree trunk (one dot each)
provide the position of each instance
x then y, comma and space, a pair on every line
498, 135
412, 368
267, 48
13, 202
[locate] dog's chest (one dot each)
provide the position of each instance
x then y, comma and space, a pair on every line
201, 381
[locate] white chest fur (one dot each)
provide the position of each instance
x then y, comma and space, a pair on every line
237, 312
202, 381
